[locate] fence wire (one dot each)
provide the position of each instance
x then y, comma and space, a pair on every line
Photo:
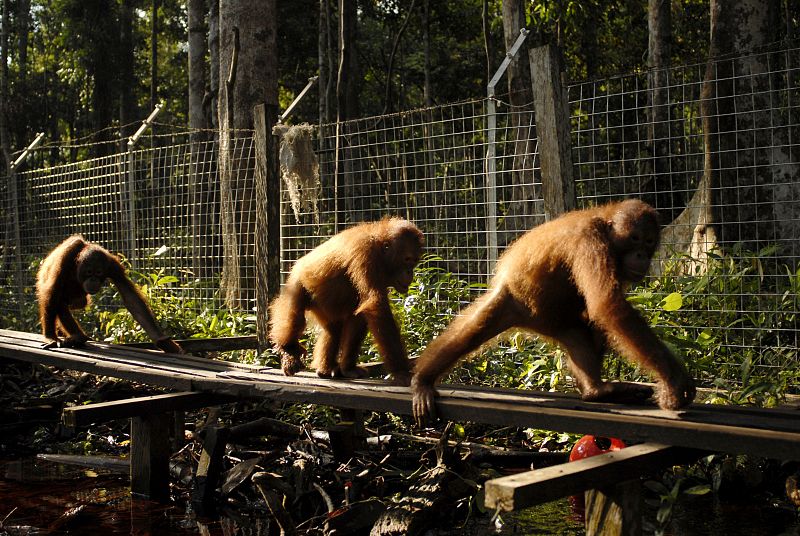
642, 135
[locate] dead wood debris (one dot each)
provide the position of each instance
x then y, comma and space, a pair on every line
296, 479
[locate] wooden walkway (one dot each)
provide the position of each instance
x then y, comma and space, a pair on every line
771, 433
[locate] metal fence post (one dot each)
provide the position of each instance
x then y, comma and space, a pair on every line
491, 154
132, 182
14, 201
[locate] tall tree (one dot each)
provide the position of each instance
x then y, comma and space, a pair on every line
741, 192
23, 23
388, 106
488, 48
249, 71
154, 55
427, 94
665, 197
5, 142
347, 77
127, 80
326, 58
197, 63
91, 30
214, 69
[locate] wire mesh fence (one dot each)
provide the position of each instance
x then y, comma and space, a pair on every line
158, 207
428, 166
648, 135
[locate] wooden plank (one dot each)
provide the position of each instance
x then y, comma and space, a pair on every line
766, 433
127, 353
522, 490
122, 409
220, 344
109, 463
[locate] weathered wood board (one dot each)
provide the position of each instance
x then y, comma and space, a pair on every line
764, 432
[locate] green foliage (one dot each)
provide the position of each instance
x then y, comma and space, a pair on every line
180, 316
733, 323
433, 299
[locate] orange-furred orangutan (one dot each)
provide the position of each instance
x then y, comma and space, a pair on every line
73, 271
344, 284
566, 280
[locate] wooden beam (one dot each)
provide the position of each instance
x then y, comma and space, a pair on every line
773, 433
221, 344
522, 490
133, 407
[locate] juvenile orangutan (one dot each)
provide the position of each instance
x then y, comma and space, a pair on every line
566, 280
67, 277
344, 284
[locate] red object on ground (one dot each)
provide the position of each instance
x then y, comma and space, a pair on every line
586, 447
589, 446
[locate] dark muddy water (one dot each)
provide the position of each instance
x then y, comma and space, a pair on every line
38, 497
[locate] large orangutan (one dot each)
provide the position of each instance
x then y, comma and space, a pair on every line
73, 271
566, 280
344, 284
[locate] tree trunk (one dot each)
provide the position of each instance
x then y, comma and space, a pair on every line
660, 189
487, 41
248, 64
154, 56
201, 186
210, 101
737, 176
5, 142
102, 71
197, 65
694, 229
746, 183
346, 108
588, 38
127, 101
23, 23
347, 87
426, 45
387, 106
517, 186
324, 51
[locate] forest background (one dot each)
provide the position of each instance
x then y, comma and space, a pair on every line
92, 70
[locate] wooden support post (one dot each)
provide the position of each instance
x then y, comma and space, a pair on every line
355, 419
553, 129
209, 469
150, 452
615, 511
178, 435
342, 441
268, 217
